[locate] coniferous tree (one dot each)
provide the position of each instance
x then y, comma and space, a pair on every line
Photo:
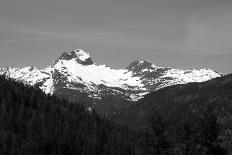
32, 122
160, 141
209, 132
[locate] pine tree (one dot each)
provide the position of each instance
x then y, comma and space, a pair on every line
160, 139
209, 131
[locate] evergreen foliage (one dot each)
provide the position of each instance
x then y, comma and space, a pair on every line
34, 123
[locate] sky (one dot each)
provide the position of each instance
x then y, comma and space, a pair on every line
181, 34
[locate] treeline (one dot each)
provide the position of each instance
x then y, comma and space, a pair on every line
196, 119
189, 119
34, 123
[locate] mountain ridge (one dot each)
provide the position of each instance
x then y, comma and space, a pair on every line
76, 72
176, 102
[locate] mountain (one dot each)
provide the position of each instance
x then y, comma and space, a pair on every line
75, 76
189, 111
176, 103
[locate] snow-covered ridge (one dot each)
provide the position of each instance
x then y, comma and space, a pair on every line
75, 70
97, 74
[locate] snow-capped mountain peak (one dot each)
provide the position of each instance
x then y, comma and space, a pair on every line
75, 71
79, 55
138, 66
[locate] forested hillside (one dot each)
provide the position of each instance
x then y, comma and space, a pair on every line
182, 120
34, 123
197, 116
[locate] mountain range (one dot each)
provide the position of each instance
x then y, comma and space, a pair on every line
75, 76
148, 108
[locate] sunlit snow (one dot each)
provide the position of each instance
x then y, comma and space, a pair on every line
93, 75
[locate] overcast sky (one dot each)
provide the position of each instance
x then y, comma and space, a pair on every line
177, 33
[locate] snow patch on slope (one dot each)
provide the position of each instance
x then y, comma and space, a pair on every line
195, 75
75, 70
98, 74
